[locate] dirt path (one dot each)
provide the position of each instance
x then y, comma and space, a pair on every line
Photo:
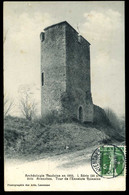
74, 163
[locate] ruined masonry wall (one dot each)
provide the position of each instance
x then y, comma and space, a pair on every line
65, 61
78, 74
53, 65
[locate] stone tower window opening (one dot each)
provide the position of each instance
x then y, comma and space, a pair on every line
80, 114
42, 78
42, 36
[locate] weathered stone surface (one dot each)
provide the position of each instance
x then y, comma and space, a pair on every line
100, 117
65, 61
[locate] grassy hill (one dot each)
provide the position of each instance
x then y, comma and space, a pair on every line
23, 138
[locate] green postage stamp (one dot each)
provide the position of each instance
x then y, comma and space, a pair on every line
108, 161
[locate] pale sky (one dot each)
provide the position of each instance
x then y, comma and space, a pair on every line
101, 23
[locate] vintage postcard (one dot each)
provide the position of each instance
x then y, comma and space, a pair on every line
64, 96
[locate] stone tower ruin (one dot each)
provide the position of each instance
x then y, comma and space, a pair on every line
65, 73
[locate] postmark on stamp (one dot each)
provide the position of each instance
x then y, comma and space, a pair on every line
108, 161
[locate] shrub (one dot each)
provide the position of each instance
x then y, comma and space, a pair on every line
54, 117
116, 122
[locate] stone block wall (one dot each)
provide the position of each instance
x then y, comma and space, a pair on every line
53, 66
65, 62
78, 84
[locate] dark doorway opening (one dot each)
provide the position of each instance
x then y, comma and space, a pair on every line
42, 78
80, 114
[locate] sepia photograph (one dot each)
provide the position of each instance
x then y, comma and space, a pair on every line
64, 96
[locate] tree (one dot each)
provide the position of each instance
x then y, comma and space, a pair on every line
8, 105
27, 103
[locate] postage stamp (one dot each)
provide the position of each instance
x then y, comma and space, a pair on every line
108, 161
